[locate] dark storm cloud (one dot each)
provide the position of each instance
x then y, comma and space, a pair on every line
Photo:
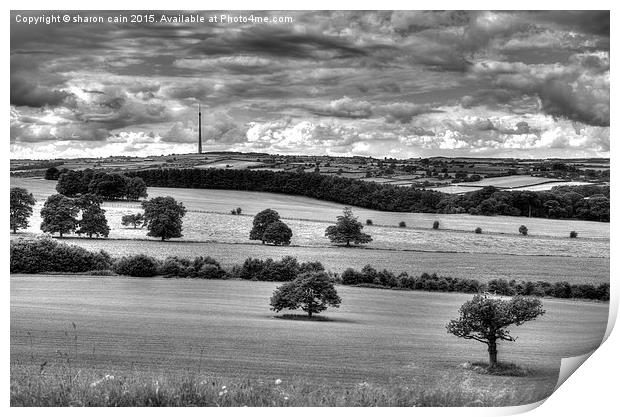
594, 22
26, 92
340, 81
279, 43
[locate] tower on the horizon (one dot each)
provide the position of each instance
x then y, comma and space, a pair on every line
199, 130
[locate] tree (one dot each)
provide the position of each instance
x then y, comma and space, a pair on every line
21, 208
133, 219
71, 184
110, 186
554, 209
312, 291
486, 319
52, 173
347, 230
59, 214
260, 223
135, 189
402, 224
478, 230
93, 222
572, 234
163, 217
523, 230
436, 224
278, 233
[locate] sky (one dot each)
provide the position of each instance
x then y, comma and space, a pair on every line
402, 84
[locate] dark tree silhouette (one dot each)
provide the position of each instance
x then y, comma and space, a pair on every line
347, 230
260, 223
135, 189
278, 233
52, 173
163, 217
133, 219
21, 203
93, 220
486, 319
59, 214
313, 292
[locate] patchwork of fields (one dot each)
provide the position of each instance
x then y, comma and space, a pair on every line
220, 327
296, 207
454, 250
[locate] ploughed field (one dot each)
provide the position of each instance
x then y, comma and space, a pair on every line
225, 328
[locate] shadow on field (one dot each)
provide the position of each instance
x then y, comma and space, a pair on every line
304, 317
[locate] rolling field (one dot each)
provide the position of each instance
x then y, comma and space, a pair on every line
226, 228
225, 328
295, 207
474, 186
462, 265
512, 181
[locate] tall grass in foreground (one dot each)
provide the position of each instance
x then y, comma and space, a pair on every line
38, 386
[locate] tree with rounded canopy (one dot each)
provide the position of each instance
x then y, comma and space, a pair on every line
71, 184
133, 219
59, 214
313, 292
278, 233
135, 189
485, 319
93, 220
347, 230
21, 203
52, 173
260, 223
111, 186
163, 217
523, 230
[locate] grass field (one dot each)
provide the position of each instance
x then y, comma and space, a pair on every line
295, 207
475, 186
461, 265
224, 328
512, 181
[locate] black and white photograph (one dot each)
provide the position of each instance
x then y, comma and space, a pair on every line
317, 208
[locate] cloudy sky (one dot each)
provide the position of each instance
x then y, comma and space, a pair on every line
403, 84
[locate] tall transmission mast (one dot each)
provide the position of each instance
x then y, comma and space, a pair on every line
199, 130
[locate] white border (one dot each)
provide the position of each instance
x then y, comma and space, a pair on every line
593, 388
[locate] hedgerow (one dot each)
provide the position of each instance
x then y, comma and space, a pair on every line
48, 255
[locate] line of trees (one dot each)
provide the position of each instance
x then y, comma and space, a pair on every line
107, 185
582, 202
163, 216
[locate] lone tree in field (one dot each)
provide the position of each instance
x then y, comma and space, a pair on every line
133, 219
313, 292
163, 217
278, 233
261, 221
21, 208
59, 214
523, 230
486, 319
93, 220
347, 230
